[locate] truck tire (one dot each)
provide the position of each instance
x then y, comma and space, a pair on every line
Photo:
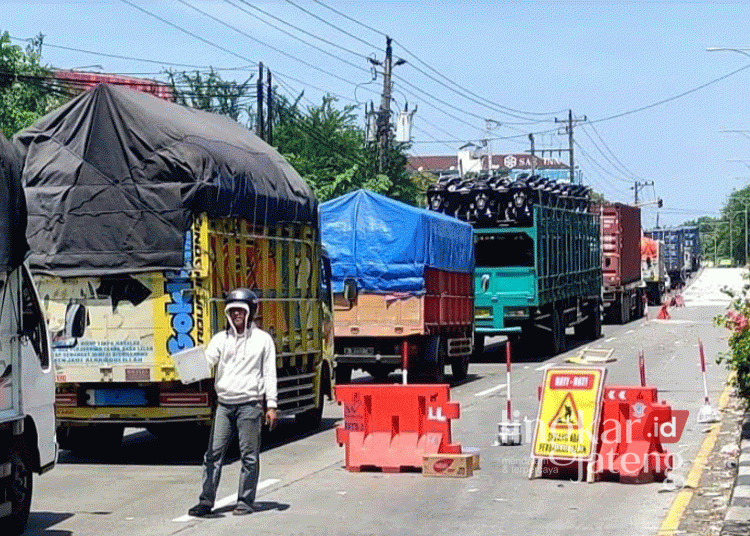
478, 345
460, 366
20, 486
595, 320
624, 309
557, 335
313, 417
434, 359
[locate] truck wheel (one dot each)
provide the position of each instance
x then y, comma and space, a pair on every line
624, 309
19, 488
434, 359
343, 374
460, 366
595, 321
557, 335
312, 418
478, 345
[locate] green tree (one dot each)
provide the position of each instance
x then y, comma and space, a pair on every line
209, 92
26, 91
326, 146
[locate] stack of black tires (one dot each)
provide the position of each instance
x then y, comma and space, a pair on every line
501, 200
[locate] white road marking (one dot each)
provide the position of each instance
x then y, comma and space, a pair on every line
226, 501
545, 367
628, 332
490, 390
610, 339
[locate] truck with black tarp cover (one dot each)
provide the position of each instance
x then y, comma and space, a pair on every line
402, 282
142, 215
27, 389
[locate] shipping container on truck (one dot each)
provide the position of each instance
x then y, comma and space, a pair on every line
536, 280
140, 224
674, 253
693, 250
623, 288
402, 282
27, 388
654, 270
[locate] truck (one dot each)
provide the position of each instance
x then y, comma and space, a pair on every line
27, 384
140, 222
654, 270
538, 266
674, 254
623, 288
402, 283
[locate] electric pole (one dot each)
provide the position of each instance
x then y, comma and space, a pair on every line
259, 128
533, 157
569, 124
639, 185
384, 113
269, 107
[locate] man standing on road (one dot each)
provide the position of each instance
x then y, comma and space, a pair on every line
245, 360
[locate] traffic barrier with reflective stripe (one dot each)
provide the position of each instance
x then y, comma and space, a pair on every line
629, 442
391, 427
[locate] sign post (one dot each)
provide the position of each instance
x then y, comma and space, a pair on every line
567, 426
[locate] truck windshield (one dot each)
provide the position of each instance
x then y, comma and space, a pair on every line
511, 249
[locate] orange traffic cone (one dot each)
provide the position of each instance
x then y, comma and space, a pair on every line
663, 312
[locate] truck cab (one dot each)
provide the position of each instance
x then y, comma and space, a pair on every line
27, 395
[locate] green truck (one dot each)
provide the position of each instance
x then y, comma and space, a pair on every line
535, 280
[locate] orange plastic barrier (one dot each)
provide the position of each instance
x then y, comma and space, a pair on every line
392, 426
629, 442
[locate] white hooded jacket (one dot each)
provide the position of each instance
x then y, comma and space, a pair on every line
245, 364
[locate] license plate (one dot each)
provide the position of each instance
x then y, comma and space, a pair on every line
482, 312
359, 350
116, 397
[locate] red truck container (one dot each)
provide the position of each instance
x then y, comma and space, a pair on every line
621, 262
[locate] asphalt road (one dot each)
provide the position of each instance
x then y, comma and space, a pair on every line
147, 487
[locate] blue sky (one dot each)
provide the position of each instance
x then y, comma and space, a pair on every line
597, 58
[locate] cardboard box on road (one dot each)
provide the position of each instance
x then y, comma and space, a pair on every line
450, 465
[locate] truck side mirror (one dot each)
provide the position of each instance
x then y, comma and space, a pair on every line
350, 290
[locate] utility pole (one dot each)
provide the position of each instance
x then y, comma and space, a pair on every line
638, 185
269, 107
260, 127
384, 113
533, 158
569, 124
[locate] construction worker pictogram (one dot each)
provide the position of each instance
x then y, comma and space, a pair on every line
566, 418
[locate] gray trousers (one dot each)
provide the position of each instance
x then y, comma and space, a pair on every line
246, 420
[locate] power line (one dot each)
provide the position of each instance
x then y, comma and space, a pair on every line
669, 99
608, 159
622, 166
188, 32
130, 58
266, 13
350, 18
463, 92
291, 56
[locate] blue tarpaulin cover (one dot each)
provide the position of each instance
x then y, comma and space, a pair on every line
385, 245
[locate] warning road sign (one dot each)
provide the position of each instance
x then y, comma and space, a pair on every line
568, 421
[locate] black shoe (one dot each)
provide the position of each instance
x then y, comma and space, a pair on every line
242, 509
200, 510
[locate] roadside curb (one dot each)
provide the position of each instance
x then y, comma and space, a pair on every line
737, 517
